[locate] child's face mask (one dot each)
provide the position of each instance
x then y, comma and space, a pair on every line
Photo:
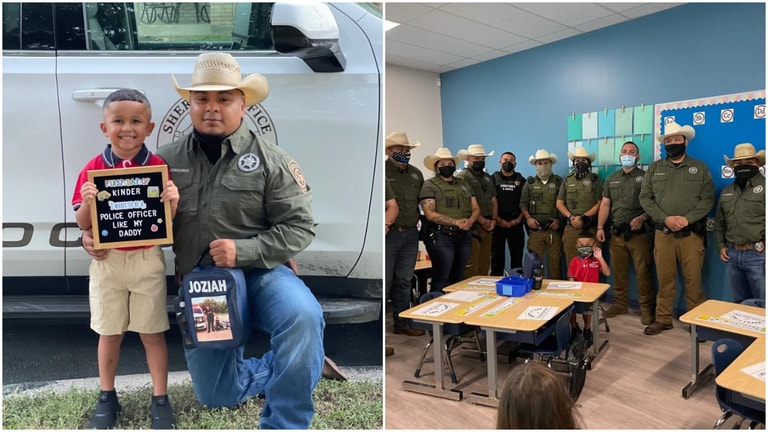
585, 251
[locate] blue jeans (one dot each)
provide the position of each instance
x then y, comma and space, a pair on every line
283, 307
449, 257
746, 274
401, 251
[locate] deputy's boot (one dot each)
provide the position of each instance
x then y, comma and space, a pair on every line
619, 303
647, 314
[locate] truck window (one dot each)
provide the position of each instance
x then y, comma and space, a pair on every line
28, 26
178, 26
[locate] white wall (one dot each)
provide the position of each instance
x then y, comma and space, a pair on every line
412, 103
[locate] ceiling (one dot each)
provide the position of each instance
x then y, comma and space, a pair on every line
440, 37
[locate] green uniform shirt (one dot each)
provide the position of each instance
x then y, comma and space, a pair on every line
255, 194
482, 187
406, 182
580, 195
623, 189
539, 199
686, 190
389, 194
452, 199
740, 216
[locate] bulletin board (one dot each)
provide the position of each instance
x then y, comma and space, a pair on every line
720, 123
604, 132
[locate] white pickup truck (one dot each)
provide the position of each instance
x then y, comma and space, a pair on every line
60, 60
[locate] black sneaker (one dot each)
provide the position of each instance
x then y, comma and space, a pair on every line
162, 413
575, 331
107, 407
588, 337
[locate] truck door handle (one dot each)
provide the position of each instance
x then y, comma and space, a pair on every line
92, 95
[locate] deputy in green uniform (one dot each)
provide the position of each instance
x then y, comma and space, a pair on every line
578, 200
629, 238
402, 239
740, 224
542, 220
451, 208
677, 193
482, 185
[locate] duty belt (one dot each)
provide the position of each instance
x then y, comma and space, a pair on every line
759, 247
401, 228
448, 228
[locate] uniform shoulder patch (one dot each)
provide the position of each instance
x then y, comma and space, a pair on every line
293, 167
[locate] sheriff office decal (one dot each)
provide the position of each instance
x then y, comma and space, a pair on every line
176, 123
293, 167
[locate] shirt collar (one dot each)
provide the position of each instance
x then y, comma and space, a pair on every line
111, 160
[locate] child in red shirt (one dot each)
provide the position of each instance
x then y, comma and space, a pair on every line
586, 267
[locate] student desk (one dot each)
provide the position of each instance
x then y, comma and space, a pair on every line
446, 309
733, 378
715, 319
587, 293
503, 316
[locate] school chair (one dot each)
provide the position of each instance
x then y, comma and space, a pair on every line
756, 302
453, 336
556, 344
724, 352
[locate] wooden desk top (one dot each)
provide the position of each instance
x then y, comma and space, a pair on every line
588, 293
711, 314
733, 378
453, 308
504, 314
422, 265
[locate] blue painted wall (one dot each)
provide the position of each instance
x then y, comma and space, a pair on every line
520, 102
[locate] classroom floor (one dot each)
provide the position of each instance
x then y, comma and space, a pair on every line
636, 383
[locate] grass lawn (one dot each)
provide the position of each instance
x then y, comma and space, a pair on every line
338, 405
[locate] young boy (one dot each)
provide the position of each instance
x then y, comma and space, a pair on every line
586, 267
127, 287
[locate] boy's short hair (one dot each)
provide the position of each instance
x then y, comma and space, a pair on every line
126, 94
587, 235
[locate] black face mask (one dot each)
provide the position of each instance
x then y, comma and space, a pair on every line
446, 171
674, 150
581, 169
745, 172
478, 165
508, 166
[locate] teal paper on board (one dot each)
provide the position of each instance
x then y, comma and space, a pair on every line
605, 153
574, 127
606, 123
643, 117
624, 121
645, 144
589, 125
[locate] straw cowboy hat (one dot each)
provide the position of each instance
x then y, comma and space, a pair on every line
581, 152
216, 71
441, 153
400, 138
745, 151
474, 150
543, 154
673, 128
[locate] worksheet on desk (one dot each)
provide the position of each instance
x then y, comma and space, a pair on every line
465, 296
756, 371
738, 319
539, 313
484, 282
436, 308
564, 285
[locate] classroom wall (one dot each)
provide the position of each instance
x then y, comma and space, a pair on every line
520, 102
412, 102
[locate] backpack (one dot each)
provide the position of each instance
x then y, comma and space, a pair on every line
531, 261
209, 293
577, 366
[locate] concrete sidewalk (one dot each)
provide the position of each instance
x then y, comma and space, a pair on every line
134, 382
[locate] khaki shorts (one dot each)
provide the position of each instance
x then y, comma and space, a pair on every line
127, 291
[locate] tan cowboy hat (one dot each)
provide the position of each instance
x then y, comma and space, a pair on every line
474, 150
441, 153
581, 152
543, 154
745, 151
217, 71
399, 138
673, 128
